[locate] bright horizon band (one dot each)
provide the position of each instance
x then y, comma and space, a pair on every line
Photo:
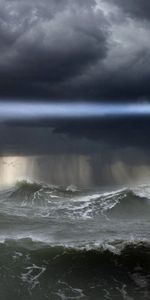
40, 110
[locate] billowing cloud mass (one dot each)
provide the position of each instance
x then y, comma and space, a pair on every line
75, 50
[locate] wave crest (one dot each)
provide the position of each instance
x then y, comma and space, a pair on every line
81, 203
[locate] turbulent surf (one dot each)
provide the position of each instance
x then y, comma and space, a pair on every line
66, 243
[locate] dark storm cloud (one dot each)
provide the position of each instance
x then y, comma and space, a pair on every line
75, 137
63, 49
113, 133
44, 45
134, 8
93, 153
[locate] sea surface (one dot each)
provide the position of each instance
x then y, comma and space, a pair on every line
62, 243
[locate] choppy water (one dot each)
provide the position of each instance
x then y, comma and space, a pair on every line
65, 243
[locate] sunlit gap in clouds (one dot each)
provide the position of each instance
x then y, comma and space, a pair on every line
39, 110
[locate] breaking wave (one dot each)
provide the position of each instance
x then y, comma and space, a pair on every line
119, 202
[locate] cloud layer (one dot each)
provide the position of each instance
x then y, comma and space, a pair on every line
65, 49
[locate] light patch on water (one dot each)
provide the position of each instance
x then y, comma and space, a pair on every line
17, 255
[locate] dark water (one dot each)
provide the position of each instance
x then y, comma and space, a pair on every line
65, 243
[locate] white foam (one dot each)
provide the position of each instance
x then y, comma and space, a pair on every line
31, 277
142, 191
63, 287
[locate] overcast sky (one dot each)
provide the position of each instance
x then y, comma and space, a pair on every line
75, 50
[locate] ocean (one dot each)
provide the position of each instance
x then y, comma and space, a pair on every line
62, 243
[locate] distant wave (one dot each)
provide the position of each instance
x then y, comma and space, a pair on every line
115, 248
27, 187
82, 203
